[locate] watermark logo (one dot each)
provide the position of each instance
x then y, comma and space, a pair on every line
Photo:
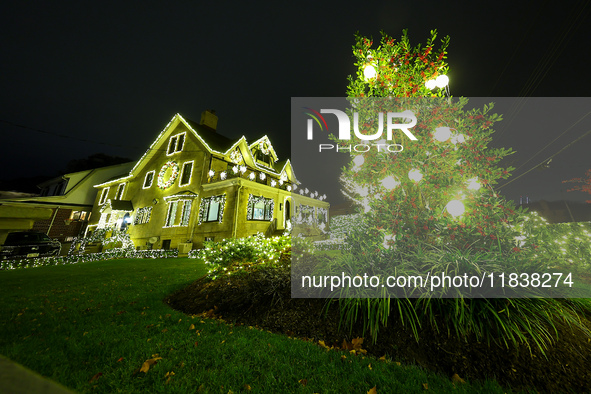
407, 117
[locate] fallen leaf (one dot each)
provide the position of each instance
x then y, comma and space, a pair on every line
343, 358
357, 342
164, 330
247, 387
456, 379
303, 382
346, 345
192, 327
96, 377
369, 366
383, 358
148, 363
426, 386
121, 359
196, 343
373, 390
168, 376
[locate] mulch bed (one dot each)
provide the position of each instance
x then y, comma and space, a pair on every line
247, 300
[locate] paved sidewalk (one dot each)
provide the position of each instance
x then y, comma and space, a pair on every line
16, 379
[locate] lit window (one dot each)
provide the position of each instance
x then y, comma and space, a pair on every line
212, 209
149, 179
179, 213
143, 215
186, 173
260, 208
176, 143
104, 195
120, 189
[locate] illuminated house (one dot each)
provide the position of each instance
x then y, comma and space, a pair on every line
194, 184
70, 198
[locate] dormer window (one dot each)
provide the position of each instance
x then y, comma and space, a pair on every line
119, 194
176, 143
262, 155
104, 195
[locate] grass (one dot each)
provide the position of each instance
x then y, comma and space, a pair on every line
91, 326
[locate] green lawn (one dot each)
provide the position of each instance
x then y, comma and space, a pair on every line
91, 326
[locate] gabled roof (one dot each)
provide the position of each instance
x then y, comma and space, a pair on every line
216, 144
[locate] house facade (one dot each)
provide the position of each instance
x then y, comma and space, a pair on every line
69, 199
193, 185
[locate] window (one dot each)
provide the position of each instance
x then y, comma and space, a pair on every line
104, 195
176, 143
322, 215
186, 173
120, 189
79, 215
212, 209
143, 215
260, 208
149, 179
179, 213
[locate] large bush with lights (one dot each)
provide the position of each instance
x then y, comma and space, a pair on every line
432, 206
239, 255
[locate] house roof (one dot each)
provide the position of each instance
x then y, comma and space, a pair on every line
212, 138
216, 144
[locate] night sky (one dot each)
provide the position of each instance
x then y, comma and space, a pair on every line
83, 78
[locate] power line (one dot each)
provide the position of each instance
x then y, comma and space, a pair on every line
544, 161
551, 142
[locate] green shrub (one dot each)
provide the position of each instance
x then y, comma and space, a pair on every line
234, 255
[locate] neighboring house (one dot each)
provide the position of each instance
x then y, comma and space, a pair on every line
70, 198
194, 185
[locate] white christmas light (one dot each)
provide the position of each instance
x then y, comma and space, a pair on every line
442, 81
262, 176
442, 134
242, 169
252, 176
358, 160
415, 175
235, 169
390, 182
273, 183
223, 175
288, 188
455, 208
369, 72
387, 239
473, 184
211, 173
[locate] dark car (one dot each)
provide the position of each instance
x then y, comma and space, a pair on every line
29, 244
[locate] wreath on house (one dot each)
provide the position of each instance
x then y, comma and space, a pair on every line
263, 147
236, 157
168, 174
